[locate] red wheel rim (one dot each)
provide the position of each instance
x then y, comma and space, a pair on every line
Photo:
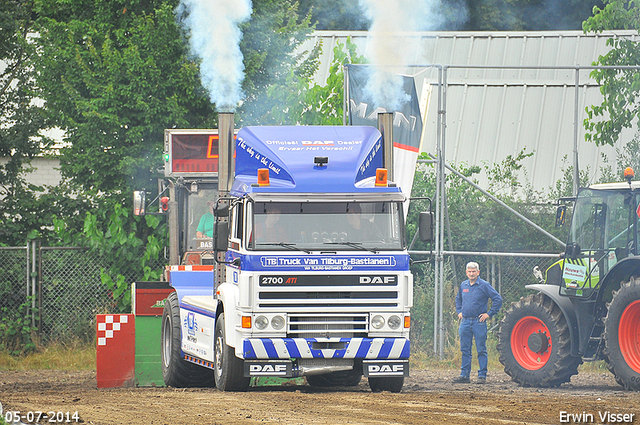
629, 335
526, 357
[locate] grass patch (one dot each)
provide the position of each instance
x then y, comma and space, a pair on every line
59, 356
423, 357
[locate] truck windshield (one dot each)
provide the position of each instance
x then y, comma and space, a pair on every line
327, 226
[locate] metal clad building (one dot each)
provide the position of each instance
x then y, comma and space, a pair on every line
498, 111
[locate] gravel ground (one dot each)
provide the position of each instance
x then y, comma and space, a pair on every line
428, 397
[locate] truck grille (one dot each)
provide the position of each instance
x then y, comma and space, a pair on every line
327, 325
328, 299
362, 292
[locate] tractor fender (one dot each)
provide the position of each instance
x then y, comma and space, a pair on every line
227, 295
565, 305
620, 272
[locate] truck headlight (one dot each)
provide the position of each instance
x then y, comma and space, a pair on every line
277, 322
261, 323
394, 322
377, 322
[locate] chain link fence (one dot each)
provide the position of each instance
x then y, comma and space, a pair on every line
13, 286
507, 273
60, 288
70, 291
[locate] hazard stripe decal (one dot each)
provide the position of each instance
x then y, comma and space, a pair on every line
300, 348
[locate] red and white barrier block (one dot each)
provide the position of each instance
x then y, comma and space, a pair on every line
115, 355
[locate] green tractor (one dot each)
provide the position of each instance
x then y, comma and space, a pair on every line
588, 306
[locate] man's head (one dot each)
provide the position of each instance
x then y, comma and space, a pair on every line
473, 271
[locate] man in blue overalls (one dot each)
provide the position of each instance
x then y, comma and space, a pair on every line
471, 305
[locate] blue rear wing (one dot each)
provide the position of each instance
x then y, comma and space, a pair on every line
353, 152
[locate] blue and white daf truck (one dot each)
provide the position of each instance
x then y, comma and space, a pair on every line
290, 258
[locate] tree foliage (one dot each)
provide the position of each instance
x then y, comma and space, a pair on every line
301, 101
528, 15
22, 124
467, 15
478, 223
269, 40
620, 108
114, 74
128, 243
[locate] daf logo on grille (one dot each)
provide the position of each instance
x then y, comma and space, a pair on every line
377, 279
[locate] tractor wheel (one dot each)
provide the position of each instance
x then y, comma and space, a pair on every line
343, 378
622, 334
534, 343
176, 371
229, 371
392, 384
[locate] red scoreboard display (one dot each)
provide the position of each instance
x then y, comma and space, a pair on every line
191, 152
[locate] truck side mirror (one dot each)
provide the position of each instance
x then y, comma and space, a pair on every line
560, 215
221, 236
139, 200
425, 226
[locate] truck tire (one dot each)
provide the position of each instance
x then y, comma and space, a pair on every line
622, 335
535, 344
228, 369
392, 384
343, 378
176, 371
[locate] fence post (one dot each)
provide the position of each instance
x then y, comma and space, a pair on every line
34, 279
28, 271
39, 285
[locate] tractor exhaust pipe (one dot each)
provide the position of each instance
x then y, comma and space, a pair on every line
385, 125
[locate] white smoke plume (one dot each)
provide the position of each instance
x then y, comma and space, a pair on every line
214, 37
391, 46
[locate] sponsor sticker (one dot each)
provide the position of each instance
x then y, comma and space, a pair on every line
574, 272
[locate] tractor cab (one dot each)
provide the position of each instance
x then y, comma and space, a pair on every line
604, 231
594, 314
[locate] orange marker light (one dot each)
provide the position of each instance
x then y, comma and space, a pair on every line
629, 174
407, 322
246, 322
381, 177
263, 176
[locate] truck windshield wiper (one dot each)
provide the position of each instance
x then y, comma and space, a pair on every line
286, 245
357, 245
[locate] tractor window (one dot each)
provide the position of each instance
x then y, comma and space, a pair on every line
587, 218
601, 220
618, 231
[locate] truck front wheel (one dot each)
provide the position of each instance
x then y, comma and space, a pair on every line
229, 371
535, 344
176, 371
622, 335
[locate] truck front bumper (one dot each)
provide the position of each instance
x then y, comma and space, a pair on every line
325, 348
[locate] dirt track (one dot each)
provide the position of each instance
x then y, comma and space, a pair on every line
428, 397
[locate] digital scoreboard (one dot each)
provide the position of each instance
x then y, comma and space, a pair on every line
191, 152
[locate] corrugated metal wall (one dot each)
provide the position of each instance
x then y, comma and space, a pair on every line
491, 112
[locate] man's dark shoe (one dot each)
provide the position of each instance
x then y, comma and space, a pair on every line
461, 380
481, 380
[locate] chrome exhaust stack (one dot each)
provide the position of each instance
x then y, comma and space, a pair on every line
385, 125
226, 149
